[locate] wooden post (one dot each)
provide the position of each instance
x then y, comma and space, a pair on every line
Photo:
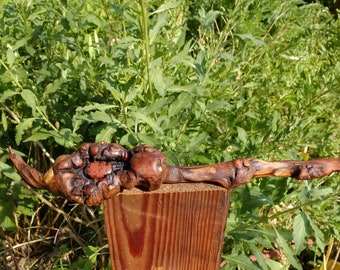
176, 227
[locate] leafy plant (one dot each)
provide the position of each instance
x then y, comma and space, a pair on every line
203, 83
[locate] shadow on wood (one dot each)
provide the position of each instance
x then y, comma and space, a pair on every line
176, 227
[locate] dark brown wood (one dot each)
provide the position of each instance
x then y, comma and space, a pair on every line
99, 171
232, 174
175, 227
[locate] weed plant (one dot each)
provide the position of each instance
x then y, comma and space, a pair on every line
202, 82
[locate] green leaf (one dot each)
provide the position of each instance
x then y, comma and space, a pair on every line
241, 261
252, 115
209, 18
21, 128
158, 81
20, 43
259, 256
125, 15
288, 251
8, 171
129, 140
130, 95
92, 252
4, 121
95, 106
26, 209
304, 194
66, 137
144, 118
242, 135
30, 99
162, 20
318, 234
196, 141
320, 192
149, 138
181, 102
181, 88
6, 215
158, 105
40, 135
94, 19
275, 121
274, 265
257, 42
217, 105
99, 116
10, 57
54, 86
167, 5
106, 60
300, 232
106, 133
7, 94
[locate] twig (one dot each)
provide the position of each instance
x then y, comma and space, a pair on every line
11, 113
336, 258
67, 217
17, 119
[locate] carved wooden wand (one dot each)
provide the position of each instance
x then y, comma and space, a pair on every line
99, 171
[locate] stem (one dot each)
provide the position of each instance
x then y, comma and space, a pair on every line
46, 120
145, 51
11, 113
15, 78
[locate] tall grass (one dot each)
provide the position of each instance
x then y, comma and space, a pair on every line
203, 82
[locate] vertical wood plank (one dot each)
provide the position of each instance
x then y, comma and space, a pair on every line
177, 227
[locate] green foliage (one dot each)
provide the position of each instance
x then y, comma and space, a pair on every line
203, 82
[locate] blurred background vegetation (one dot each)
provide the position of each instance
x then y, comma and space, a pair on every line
203, 82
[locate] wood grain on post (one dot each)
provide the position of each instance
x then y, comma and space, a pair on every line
176, 227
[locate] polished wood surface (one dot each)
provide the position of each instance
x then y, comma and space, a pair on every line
175, 227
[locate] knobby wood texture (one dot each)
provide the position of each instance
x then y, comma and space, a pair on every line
176, 227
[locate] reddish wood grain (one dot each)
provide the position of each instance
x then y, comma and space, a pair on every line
176, 227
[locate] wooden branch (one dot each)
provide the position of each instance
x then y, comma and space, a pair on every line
302, 170
99, 171
238, 172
